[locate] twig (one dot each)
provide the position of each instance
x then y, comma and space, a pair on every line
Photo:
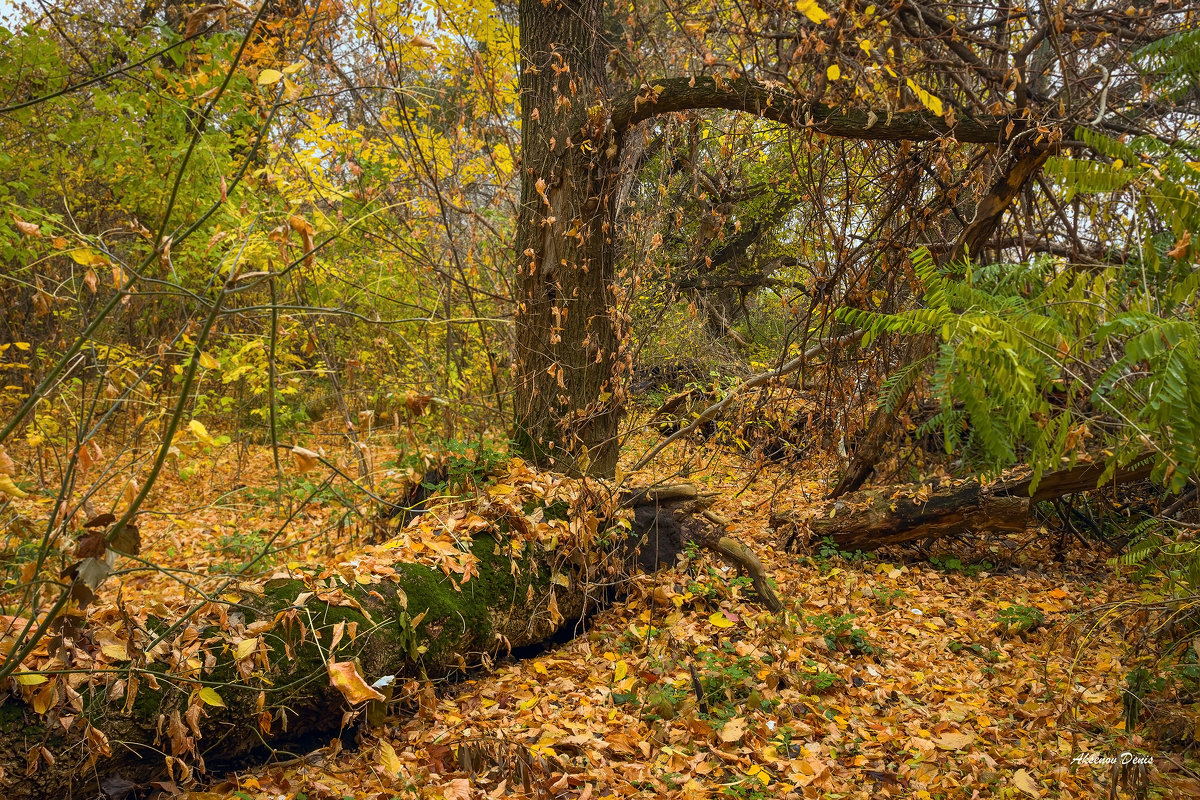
749, 383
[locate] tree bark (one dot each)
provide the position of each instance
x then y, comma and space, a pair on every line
666, 95
569, 363
873, 518
280, 694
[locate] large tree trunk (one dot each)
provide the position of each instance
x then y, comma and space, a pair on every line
155, 721
569, 362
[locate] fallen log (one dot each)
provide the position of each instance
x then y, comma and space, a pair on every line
871, 518
123, 696
260, 670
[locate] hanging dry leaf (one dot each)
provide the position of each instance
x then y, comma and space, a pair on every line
1180, 249
27, 228
306, 460
7, 467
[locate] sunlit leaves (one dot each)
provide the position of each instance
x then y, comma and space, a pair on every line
812, 10
928, 99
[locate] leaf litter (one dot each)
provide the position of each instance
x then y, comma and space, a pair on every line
881, 677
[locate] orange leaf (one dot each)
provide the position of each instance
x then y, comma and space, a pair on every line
344, 677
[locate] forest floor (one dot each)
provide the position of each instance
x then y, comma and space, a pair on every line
982, 669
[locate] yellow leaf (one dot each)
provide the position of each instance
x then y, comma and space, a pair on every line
245, 648
758, 772
209, 696
528, 704
30, 679
388, 759
116, 652
930, 101
44, 699
344, 677
810, 9
540, 668
197, 428
87, 258
9, 488
720, 620
208, 362
620, 670
865, 44
292, 69
834, 72
269, 76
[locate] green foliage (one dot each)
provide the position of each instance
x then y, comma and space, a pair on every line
948, 563
233, 551
1018, 619
840, 632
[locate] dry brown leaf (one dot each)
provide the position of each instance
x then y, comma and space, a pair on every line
306, 460
27, 228
953, 741
733, 730
457, 789
1025, 782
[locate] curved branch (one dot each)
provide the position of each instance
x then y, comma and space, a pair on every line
666, 95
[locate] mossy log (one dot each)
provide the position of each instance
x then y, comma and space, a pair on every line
149, 724
871, 518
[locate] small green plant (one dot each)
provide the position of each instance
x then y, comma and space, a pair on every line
947, 563
841, 633
236, 550
889, 597
1017, 620
975, 649
817, 680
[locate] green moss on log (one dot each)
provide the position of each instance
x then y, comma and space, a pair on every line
459, 624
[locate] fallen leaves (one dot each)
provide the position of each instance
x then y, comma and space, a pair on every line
617, 710
1025, 782
733, 730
